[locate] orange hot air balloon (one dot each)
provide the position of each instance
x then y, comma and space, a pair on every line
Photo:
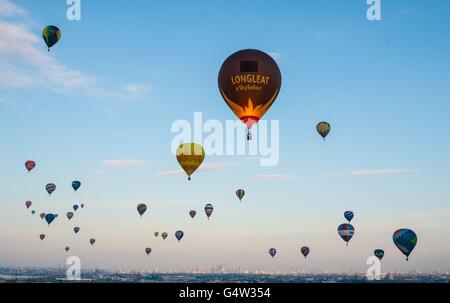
190, 156
249, 81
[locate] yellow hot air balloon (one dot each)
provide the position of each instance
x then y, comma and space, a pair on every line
190, 156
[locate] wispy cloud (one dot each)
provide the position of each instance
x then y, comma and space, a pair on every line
121, 163
388, 171
204, 167
8, 9
28, 65
280, 177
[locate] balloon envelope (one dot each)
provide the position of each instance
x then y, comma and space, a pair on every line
323, 128
405, 240
76, 185
50, 218
42, 236
379, 253
42, 215
50, 188
346, 231
164, 235
75, 207
156, 234
141, 208
29, 165
69, 215
28, 204
249, 82
76, 230
179, 235
209, 210
51, 35
190, 156
92, 241
272, 252
148, 250
67, 248
305, 251
240, 193
349, 215
192, 213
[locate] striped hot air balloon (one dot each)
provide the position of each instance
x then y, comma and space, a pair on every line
405, 240
305, 251
209, 210
349, 215
346, 231
141, 208
50, 188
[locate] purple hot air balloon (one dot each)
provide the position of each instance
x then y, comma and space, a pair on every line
179, 235
28, 204
272, 252
192, 213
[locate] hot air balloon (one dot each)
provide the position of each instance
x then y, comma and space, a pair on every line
76, 230
379, 253
50, 188
69, 215
141, 208
190, 156
50, 218
240, 193
164, 235
209, 210
192, 213
33, 212
346, 231
156, 234
29, 165
75, 207
323, 128
42, 236
305, 251
76, 185
67, 248
28, 204
148, 250
92, 241
349, 215
51, 35
82, 205
42, 215
249, 82
405, 240
179, 235
272, 252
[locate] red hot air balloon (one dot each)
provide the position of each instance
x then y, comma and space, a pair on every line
192, 213
249, 82
29, 165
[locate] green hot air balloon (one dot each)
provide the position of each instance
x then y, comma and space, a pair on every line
51, 35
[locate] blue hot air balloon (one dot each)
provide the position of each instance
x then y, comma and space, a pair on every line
75, 207
349, 215
209, 210
76, 185
179, 235
49, 218
346, 231
405, 240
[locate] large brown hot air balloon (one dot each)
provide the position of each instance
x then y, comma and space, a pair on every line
249, 81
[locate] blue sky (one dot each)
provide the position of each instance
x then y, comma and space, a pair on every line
99, 108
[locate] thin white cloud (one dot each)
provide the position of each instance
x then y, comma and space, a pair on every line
274, 177
124, 163
26, 64
8, 9
388, 171
204, 167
